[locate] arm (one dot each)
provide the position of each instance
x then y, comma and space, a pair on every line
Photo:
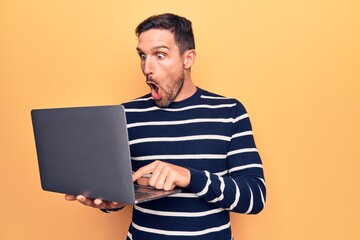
240, 193
242, 189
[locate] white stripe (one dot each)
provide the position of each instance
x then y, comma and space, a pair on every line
193, 195
178, 214
263, 181
181, 233
141, 99
222, 187
262, 196
251, 201
189, 121
190, 156
206, 188
178, 139
142, 109
244, 150
241, 117
211, 97
180, 109
237, 196
241, 134
129, 236
184, 195
220, 174
254, 165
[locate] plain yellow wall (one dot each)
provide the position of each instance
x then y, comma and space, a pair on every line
294, 64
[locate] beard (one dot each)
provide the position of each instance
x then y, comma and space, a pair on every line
170, 92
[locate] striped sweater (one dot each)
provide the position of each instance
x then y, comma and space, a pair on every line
210, 135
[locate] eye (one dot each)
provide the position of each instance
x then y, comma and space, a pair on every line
160, 56
142, 56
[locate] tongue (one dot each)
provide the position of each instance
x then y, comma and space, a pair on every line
155, 94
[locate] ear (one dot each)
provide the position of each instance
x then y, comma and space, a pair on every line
189, 58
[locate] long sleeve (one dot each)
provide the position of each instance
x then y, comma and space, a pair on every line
242, 188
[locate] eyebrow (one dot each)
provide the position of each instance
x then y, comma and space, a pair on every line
154, 48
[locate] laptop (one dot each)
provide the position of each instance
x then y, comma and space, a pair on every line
85, 150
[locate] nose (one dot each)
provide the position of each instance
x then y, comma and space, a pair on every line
147, 66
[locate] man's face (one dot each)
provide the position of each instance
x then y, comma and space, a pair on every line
162, 65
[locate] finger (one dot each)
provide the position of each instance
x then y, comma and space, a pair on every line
116, 205
143, 181
170, 181
80, 198
98, 202
162, 178
156, 174
86, 201
103, 204
89, 202
144, 170
70, 197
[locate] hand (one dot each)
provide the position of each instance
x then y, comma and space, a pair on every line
163, 175
96, 203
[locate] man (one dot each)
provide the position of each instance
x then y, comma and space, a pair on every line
189, 138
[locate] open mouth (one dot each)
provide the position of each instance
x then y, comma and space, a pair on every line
152, 85
154, 90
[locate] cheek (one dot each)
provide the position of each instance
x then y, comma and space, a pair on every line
172, 70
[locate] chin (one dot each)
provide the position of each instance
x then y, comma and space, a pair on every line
163, 104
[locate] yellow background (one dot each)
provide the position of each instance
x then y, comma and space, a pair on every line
294, 64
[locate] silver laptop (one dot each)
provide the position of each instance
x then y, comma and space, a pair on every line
85, 150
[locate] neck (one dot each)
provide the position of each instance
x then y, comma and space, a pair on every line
188, 89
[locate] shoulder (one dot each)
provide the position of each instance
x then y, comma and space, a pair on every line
217, 99
140, 102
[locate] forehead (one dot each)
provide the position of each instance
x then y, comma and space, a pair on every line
156, 38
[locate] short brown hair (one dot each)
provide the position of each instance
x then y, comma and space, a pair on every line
179, 26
